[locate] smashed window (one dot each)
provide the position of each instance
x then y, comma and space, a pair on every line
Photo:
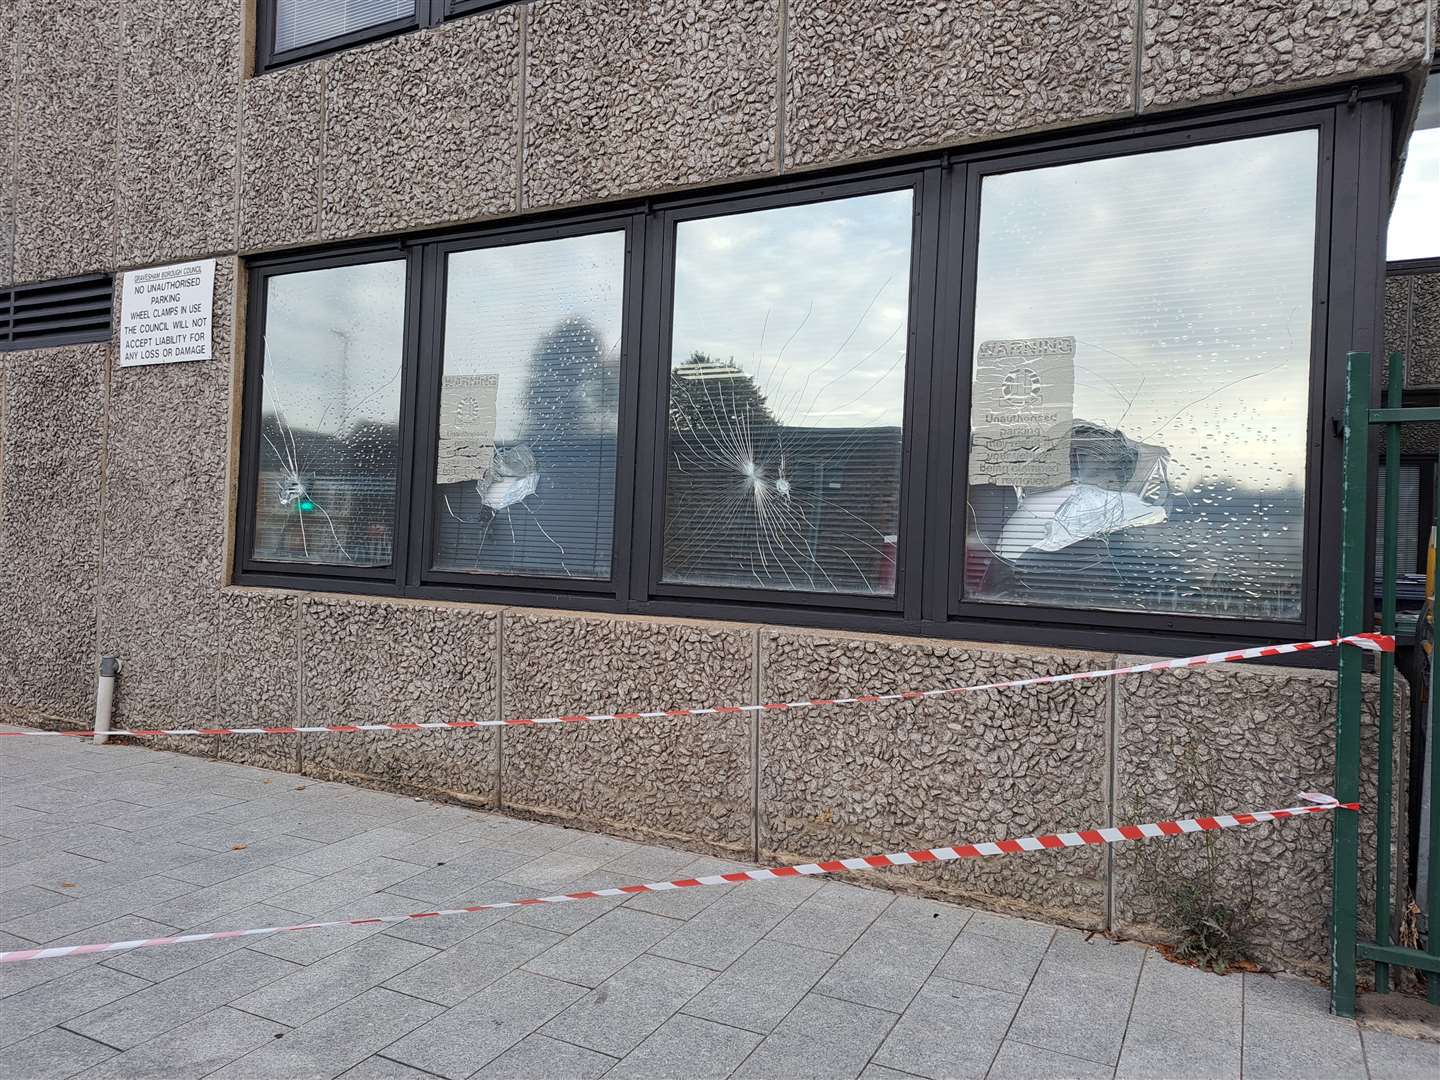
330, 407
1141, 380
787, 388
529, 408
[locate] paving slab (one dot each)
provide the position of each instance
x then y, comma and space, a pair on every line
799, 977
821, 1037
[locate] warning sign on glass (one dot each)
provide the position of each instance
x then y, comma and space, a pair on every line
165, 313
1021, 411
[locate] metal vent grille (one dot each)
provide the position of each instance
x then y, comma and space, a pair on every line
61, 312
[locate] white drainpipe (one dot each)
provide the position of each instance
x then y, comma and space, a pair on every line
105, 696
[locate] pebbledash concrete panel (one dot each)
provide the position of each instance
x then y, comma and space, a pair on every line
868, 77
854, 780
630, 98
684, 780
368, 660
165, 510
178, 129
9, 91
1396, 335
421, 129
1203, 50
280, 139
1230, 738
64, 159
1423, 352
50, 453
258, 675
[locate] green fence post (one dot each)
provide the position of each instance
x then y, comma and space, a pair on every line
1353, 581
1390, 538
1432, 883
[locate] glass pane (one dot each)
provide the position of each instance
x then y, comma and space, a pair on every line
1415, 218
529, 406
1140, 381
304, 22
329, 426
787, 395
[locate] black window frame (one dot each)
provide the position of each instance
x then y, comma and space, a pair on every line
1354, 126
428, 13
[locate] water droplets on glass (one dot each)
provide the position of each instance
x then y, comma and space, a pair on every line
329, 425
1161, 465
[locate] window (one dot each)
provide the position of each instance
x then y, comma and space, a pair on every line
329, 442
787, 395
291, 30
1140, 381
529, 408
1072, 393
1415, 218
304, 22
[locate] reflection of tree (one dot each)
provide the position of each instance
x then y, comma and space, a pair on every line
546, 504
750, 497
573, 387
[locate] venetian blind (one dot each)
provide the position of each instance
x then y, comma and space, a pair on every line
304, 22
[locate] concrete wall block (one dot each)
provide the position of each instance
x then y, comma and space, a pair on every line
50, 453
65, 159
630, 97
1222, 739
179, 108
374, 661
1396, 323
165, 524
684, 781
867, 77
1422, 360
9, 63
258, 675
421, 129
1202, 50
280, 157
847, 781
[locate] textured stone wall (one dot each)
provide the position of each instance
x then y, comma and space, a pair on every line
1189, 740
1412, 326
52, 417
844, 780
142, 138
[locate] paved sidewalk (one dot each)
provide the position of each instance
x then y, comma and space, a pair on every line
784, 979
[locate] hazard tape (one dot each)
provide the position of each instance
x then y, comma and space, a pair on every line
1319, 804
1373, 642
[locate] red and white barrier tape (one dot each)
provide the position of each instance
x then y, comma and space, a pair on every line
1319, 804
1373, 642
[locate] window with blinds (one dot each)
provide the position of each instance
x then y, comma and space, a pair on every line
529, 408
787, 393
306, 22
1141, 381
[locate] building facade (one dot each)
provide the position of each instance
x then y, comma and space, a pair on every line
570, 356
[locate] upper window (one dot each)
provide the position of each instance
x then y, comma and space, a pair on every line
787, 395
1141, 381
290, 30
305, 22
1415, 218
1079, 386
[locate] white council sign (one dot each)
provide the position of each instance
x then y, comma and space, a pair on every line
165, 313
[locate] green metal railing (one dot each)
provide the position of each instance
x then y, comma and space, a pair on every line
1357, 573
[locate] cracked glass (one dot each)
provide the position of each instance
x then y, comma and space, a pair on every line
330, 406
529, 408
790, 328
1140, 385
